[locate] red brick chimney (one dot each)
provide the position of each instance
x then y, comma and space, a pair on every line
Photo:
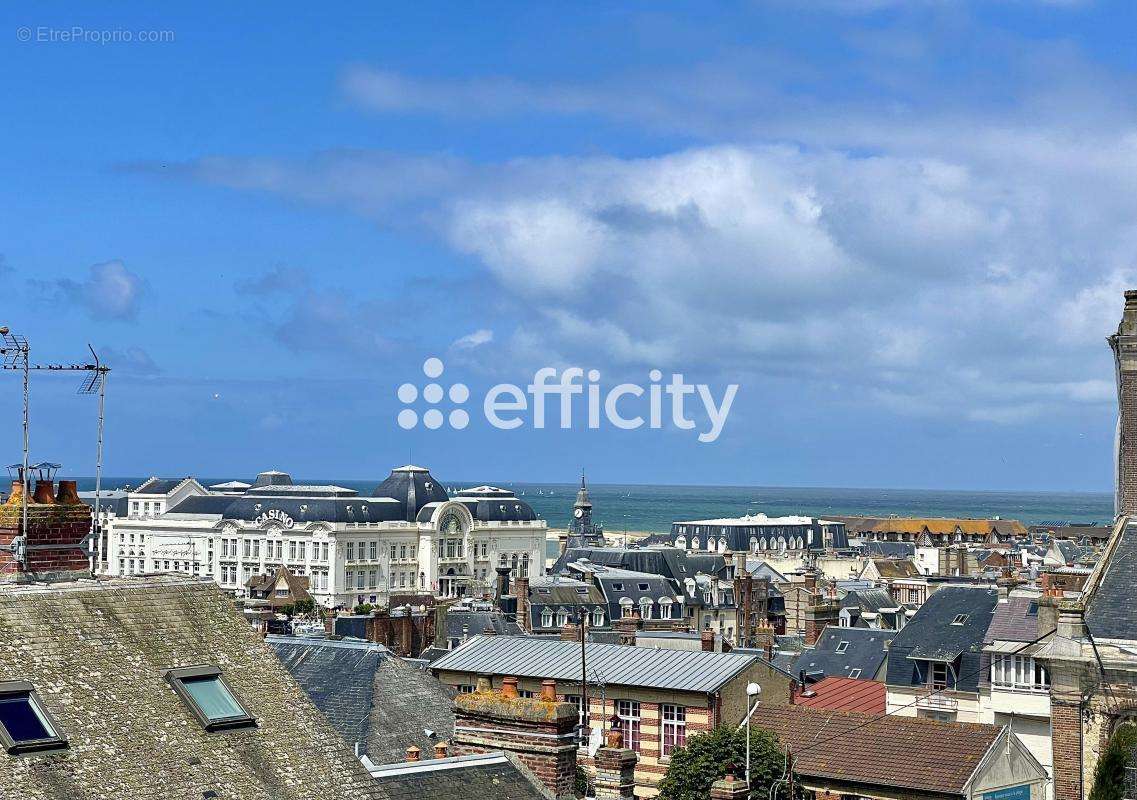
539, 733
1124, 346
707, 640
615, 769
627, 627
55, 547
817, 617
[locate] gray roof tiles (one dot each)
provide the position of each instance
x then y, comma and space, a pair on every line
526, 657
1111, 612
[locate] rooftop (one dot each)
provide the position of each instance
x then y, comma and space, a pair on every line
846, 694
528, 657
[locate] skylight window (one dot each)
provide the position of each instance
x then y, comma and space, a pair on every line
209, 698
960, 619
855, 673
842, 647
25, 725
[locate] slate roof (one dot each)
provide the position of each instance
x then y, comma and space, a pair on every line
528, 657
889, 549
670, 562
863, 650
461, 623
488, 776
102, 676
370, 696
213, 504
412, 488
1111, 612
1016, 620
868, 600
159, 485
933, 635
920, 755
846, 694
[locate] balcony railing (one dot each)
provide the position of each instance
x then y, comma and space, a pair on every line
935, 700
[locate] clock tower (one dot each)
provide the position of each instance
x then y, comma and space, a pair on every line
581, 530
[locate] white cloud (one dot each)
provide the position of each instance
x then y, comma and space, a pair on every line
475, 339
110, 291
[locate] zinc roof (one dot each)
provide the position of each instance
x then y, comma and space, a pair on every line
524, 657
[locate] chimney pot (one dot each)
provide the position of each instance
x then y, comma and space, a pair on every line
413, 753
549, 690
17, 492
485, 683
44, 492
440, 749
509, 688
68, 494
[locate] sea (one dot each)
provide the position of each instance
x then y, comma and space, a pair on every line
652, 508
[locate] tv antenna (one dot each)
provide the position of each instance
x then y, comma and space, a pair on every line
15, 355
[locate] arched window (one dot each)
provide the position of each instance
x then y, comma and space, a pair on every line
597, 617
695, 543
513, 564
681, 542
665, 608
562, 617
645, 607
525, 565
625, 606
546, 618
763, 544
782, 543
753, 544
722, 545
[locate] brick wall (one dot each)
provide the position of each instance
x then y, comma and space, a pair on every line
1124, 345
56, 535
538, 732
1065, 734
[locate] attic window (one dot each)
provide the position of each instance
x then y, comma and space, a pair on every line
643, 587
209, 698
960, 619
25, 725
842, 647
619, 587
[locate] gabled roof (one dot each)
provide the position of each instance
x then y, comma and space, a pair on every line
934, 633
1111, 612
842, 651
160, 485
371, 697
97, 653
846, 694
528, 657
923, 756
896, 567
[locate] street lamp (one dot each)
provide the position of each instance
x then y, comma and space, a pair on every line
752, 690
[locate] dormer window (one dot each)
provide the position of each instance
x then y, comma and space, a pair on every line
25, 725
209, 698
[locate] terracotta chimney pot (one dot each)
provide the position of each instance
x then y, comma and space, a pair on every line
68, 494
509, 688
44, 492
413, 753
549, 690
440, 749
14, 499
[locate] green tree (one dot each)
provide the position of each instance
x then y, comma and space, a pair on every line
705, 757
304, 606
364, 608
1109, 776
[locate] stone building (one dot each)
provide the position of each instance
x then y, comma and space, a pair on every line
408, 536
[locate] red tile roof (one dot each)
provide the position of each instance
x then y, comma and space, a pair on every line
924, 756
837, 693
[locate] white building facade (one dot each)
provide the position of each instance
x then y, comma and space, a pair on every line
408, 537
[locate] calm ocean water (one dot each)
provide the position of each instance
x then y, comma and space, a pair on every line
654, 508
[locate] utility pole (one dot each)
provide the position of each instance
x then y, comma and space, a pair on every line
583, 671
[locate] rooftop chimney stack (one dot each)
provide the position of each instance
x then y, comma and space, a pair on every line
1124, 346
539, 732
55, 547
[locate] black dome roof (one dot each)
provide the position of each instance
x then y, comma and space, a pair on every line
413, 487
272, 477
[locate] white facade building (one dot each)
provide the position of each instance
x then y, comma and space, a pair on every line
408, 537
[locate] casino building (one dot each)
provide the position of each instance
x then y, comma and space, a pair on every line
758, 533
410, 536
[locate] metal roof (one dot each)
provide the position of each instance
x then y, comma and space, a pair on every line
524, 657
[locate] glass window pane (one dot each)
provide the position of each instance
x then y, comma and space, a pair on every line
22, 719
212, 698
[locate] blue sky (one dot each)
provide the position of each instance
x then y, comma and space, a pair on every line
902, 228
